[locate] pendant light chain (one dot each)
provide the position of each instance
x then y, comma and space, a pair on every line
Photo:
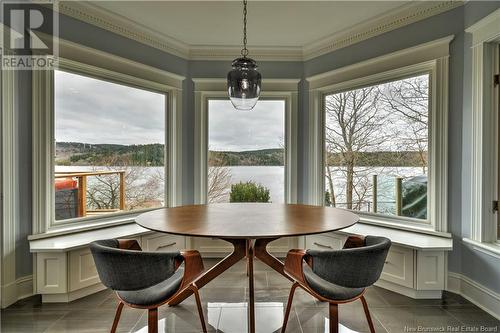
244, 80
244, 51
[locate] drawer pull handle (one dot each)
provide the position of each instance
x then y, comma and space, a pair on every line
322, 245
167, 245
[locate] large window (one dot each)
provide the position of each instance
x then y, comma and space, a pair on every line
246, 157
376, 141
109, 147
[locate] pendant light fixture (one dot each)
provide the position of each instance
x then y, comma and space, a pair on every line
243, 81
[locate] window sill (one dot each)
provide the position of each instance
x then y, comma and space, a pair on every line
88, 224
422, 228
402, 237
492, 249
71, 241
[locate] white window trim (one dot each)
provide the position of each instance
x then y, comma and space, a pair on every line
431, 57
10, 189
109, 67
484, 161
283, 89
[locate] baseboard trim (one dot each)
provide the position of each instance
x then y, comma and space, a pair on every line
485, 298
74, 295
17, 290
24, 287
409, 292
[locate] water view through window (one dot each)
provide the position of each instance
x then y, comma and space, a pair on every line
376, 148
110, 147
246, 152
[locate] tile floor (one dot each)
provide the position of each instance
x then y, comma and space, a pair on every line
224, 303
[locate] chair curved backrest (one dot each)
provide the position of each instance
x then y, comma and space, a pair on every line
358, 267
126, 270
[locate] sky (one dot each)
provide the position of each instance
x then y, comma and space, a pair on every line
233, 130
94, 111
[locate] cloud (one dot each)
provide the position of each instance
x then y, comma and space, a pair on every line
96, 111
233, 130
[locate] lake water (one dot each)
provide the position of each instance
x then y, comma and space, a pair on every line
273, 177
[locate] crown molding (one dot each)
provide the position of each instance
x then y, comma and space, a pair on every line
120, 25
402, 59
414, 12
405, 15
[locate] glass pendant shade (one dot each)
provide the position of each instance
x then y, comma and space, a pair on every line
243, 83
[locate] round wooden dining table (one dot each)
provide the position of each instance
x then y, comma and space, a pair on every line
249, 227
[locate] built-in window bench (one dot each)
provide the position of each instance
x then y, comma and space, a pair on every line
416, 265
65, 270
64, 266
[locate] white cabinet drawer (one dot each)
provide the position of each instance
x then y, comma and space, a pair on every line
325, 242
163, 242
399, 266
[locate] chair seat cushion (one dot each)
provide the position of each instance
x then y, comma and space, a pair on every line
327, 289
154, 294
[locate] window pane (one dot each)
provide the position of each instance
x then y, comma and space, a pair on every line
376, 148
246, 152
110, 146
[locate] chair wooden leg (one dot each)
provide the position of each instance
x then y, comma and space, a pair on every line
334, 318
153, 320
119, 309
200, 309
367, 313
288, 307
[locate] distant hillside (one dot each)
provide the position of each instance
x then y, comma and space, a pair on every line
77, 153
269, 157
382, 158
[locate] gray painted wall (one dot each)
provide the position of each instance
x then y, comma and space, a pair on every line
480, 267
24, 262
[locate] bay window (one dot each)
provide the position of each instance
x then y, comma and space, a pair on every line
376, 148
109, 147
246, 157
105, 135
378, 138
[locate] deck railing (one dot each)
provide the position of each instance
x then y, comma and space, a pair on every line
82, 189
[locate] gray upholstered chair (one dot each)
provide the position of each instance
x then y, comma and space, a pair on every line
338, 276
146, 280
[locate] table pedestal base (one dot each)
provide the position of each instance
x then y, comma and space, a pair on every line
250, 249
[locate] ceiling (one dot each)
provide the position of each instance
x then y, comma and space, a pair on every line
270, 23
278, 30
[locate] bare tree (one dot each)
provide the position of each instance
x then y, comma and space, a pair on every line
353, 125
219, 178
144, 188
408, 101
